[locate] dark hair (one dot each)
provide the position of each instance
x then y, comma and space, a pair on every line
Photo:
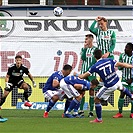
67, 67
95, 82
89, 35
18, 56
97, 54
104, 19
130, 45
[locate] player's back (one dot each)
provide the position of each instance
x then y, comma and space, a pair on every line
75, 80
106, 70
55, 76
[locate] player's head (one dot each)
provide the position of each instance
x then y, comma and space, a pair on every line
129, 48
67, 69
18, 60
94, 83
98, 54
103, 23
89, 39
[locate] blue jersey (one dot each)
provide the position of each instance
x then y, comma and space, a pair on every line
55, 76
76, 80
106, 70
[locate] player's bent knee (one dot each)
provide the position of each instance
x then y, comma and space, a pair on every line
97, 100
55, 98
79, 97
25, 86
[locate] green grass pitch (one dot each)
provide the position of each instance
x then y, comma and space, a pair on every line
25, 121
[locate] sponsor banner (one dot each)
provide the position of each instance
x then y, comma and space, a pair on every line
43, 106
15, 98
47, 45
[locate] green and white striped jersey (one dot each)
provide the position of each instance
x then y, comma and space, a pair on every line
87, 58
126, 72
106, 40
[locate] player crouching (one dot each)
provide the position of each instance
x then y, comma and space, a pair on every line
75, 87
14, 78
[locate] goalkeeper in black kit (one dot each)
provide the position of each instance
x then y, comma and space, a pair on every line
14, 78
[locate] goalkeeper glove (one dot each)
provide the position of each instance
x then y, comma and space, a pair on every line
8, 85
34, 84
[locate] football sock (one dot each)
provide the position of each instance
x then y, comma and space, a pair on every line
91, 102
3, 99
76, 108
127, 92
82, 103
26, 95
131, 106
73, 104
50, 105
68, 101
98, 108
120, 104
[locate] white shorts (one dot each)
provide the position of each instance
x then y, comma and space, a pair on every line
49, 94
105, 92
69, 90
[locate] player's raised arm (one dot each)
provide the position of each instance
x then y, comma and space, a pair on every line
126, 65
93, 29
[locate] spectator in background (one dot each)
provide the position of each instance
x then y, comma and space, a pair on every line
66, 2
106, 2
24, 1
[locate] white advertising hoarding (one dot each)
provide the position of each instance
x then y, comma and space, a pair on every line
47, 45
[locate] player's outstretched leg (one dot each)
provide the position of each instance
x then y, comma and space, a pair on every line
49, 107
98, 108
